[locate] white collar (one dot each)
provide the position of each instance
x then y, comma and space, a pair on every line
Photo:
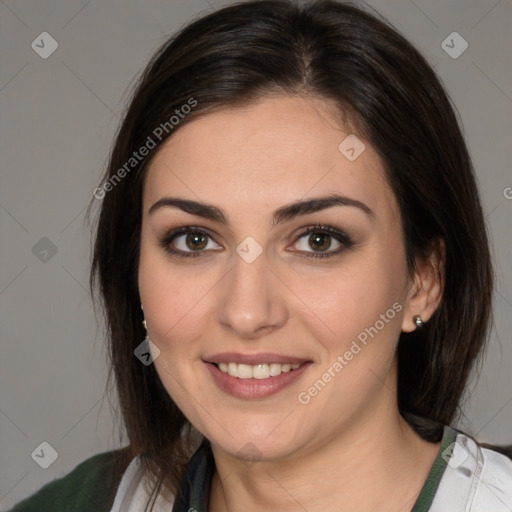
131, 494
476, 479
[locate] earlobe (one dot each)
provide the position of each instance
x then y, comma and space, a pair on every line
427, 291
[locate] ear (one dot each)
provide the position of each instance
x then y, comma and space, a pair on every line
427, 286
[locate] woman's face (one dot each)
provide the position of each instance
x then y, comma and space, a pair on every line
246, 290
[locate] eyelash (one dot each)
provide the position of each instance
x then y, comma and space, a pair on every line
338, 235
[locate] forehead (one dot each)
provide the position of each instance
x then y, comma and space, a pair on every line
276, 150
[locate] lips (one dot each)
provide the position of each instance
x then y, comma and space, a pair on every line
254, 375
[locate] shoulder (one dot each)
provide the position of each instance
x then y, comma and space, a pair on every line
89, 486
477, 477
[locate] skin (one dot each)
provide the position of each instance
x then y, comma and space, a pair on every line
350, 437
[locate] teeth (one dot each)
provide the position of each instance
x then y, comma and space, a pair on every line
257, 371
232, 369
275, 369
244, 371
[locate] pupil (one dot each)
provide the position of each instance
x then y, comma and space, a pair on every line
195, 241
317, 239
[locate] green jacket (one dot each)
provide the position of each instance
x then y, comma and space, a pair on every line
90, 486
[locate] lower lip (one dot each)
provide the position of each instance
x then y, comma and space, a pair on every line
254, 388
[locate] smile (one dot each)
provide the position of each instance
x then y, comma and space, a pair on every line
256, 371
256, 380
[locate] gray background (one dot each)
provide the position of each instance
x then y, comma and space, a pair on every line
58, 118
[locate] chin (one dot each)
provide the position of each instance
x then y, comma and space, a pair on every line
264, 443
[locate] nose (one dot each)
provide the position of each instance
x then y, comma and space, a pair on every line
252, 301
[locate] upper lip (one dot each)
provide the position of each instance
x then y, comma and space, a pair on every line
253, 359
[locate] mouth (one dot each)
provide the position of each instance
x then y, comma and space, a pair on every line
256, 371
255, 376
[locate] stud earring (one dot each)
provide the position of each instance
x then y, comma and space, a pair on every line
418, 321
144, 321
147, 351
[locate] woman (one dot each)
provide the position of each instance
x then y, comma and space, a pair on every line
294, 265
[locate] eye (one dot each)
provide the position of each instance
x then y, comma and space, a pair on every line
321, 238
187, 241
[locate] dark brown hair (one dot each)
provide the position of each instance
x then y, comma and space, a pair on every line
337, 52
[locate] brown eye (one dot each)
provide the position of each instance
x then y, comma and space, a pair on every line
188, 241
196, 241
320, 241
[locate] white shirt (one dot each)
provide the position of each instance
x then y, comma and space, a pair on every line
475, 480
131, 495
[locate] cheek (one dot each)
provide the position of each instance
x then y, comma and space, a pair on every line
358, 295
170, 295
172, 306
362, 307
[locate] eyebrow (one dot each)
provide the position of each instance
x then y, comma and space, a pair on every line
285, 213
